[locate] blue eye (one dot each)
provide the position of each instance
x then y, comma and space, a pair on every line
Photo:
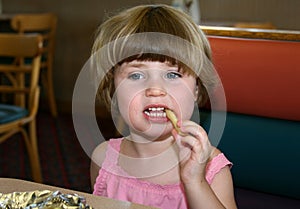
173, 75
136, 76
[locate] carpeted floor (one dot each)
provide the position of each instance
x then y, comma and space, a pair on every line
63, 161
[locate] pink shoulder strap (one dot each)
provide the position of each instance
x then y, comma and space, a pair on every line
215, 165
112, 154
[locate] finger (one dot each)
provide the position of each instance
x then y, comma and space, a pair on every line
195, 130
197, 140
182, 141
189, 141
198, 151
185, 150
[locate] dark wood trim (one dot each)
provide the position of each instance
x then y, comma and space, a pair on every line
273, 34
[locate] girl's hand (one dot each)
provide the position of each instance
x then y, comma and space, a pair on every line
194, 151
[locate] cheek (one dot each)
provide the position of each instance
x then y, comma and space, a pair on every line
184, 98
126, 101
187, 105
130, 108
133, 115
124, 94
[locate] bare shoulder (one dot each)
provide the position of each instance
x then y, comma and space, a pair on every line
97, 159
215, 152
98, 154
222, 184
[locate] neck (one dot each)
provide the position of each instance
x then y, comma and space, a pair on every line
144, 160
136, 145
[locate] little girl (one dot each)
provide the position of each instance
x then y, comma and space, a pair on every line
160, 61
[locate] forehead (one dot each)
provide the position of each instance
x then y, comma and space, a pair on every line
148, 64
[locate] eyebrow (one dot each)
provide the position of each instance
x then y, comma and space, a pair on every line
130, 64
140, 64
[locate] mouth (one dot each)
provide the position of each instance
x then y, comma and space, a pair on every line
156, 113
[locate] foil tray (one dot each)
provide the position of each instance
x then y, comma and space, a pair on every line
42, 199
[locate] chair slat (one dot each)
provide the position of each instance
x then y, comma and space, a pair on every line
10, 68
31, 22
20, 45
9, 89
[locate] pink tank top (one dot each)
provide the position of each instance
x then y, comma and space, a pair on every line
131, 189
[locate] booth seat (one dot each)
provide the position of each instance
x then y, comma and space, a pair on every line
261, 80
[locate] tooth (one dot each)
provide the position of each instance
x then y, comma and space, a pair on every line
154, 114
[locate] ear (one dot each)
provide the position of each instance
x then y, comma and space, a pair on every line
196, 93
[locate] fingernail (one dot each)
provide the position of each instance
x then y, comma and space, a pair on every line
174, 133
179, 123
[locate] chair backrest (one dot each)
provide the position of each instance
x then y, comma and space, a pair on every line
19, 79
43, 23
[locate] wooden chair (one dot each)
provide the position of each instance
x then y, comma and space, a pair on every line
45, 24
19, 92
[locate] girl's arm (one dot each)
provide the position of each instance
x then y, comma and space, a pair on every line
97, 158
94, 170
199, 193
217, 195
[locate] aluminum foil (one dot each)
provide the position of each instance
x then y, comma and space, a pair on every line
42, 199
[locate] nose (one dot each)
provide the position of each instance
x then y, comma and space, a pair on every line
155, 92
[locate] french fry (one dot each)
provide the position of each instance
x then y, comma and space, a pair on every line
172, 117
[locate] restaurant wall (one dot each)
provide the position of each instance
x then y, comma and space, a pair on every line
78, 20
283, 14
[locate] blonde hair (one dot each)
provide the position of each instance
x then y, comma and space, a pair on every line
161, 19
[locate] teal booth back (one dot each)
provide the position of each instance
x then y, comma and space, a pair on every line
264, 151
